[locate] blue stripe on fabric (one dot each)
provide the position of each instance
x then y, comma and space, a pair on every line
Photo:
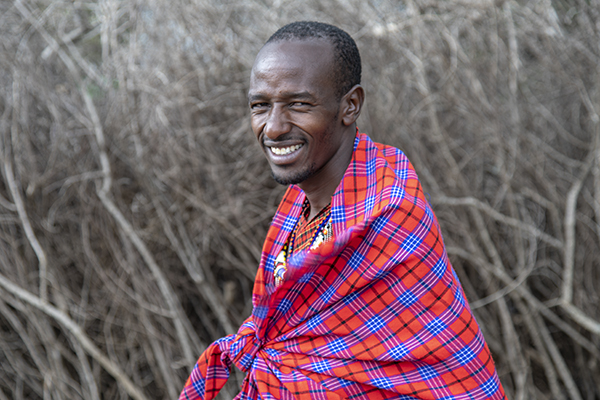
289, 223
379, 224
260, 312
408, 298
306, 277
397, 192
270, 263
350, 298
427, 372
371, 166
344, 382
369, 204
199, 386
464, 355
381, 273
399, 352
325, 297
490, 386
402, 173
337, 213
320, 366
375, 323
337, 345
439, 268
284, 306
383, 382
436, 326
271, 352
246, 360
429, 213
356, 260
314, 322
411, 242
458, 295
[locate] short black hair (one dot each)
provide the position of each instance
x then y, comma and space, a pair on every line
347, 68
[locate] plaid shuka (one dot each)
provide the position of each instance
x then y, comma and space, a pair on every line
376, 313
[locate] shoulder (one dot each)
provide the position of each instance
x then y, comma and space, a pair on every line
399, 205
388, 157
379, 179
390, 169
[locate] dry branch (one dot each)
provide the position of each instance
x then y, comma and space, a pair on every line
569, 224
15, 192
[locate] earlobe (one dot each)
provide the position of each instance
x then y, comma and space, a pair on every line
352, 105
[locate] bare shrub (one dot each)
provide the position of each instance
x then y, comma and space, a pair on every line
134, 202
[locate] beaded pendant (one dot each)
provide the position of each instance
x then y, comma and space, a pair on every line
280, 267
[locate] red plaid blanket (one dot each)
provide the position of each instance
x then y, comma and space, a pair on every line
376, 313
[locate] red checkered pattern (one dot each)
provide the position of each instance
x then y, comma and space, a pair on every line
376, 313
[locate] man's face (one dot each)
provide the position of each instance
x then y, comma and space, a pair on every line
295, 110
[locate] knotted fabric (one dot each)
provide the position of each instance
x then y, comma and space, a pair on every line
376, 313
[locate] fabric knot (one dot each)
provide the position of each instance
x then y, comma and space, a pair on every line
243, 351
240, 349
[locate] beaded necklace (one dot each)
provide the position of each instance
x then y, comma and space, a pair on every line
320, 236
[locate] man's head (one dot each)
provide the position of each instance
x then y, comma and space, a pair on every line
347, 65
304, 104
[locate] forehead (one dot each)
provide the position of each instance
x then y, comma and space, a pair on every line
305, 65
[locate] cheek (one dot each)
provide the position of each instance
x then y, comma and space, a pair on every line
256, 126
317, 127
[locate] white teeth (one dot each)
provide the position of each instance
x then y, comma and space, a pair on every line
282, 151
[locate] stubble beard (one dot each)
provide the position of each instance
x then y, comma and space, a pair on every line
299, 177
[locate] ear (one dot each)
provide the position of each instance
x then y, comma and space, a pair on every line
351, 105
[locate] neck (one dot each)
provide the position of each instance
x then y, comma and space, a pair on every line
320, 188
318, 201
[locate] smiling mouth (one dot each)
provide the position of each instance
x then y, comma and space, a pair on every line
282, 151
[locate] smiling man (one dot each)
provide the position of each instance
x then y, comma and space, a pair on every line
354, 296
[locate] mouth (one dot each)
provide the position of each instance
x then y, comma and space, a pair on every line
284, 151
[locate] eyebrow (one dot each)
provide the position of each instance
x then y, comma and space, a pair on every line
285, 95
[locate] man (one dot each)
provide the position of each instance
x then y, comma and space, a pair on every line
354, 296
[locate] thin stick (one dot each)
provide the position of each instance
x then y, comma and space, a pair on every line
559, 362
569, 249
18, 200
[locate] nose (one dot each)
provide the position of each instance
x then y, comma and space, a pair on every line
277, 123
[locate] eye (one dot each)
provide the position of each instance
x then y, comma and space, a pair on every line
299, 104
259, 106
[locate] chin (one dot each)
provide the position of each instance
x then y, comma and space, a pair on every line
293, 178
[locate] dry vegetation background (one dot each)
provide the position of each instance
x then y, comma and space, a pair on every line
134, 201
